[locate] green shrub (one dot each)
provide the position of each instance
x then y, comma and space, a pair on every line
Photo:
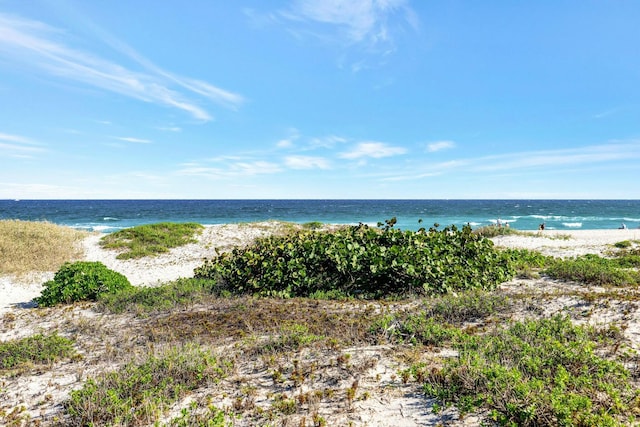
527, 262
536, 373
313, 225
81, 281
592, 269
361, 261
418, 329
628, 260
465, 307
193, 416
151, 239
147, 299
139, 394
438, 323
34, 349
623, 244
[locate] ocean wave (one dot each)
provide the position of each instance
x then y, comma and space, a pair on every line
572, 224
551, 217
110, 218
502, 221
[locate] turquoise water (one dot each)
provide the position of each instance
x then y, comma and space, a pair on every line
111, 215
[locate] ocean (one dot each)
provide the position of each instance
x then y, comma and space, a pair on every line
111, 215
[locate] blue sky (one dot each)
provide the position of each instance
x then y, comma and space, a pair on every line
319, 99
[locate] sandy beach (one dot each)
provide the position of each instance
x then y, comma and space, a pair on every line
396, 405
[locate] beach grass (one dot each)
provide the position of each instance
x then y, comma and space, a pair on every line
494, 231
151, 239
31, 246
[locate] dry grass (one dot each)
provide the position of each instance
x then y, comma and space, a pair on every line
27, 246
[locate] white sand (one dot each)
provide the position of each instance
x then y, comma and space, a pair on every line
580, 242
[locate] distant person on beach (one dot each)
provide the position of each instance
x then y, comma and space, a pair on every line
623, 226
541, 227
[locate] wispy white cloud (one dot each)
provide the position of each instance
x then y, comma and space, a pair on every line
603, 114
284, 143
230, 170
432, 147
397, 178
306, 162
372, 149
15, 138
329, 141
170, 129
359, 21
365, 31
614, 152
18, 146
37, 45
132, 139
290, 139
227, 158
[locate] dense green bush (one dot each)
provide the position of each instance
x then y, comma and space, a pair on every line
81, 281
361, 261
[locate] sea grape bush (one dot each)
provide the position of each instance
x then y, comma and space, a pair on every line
361, 261
81, 281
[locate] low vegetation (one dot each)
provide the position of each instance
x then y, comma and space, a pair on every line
426, 303
495, 231
543, 372
27, 246
360, 261
140, 393
37, 349
150, 239
595, 270
144, 299
81, 281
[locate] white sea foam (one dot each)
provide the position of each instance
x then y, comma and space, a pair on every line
110, 218
572, 224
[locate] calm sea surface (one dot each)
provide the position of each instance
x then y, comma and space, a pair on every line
112, 215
